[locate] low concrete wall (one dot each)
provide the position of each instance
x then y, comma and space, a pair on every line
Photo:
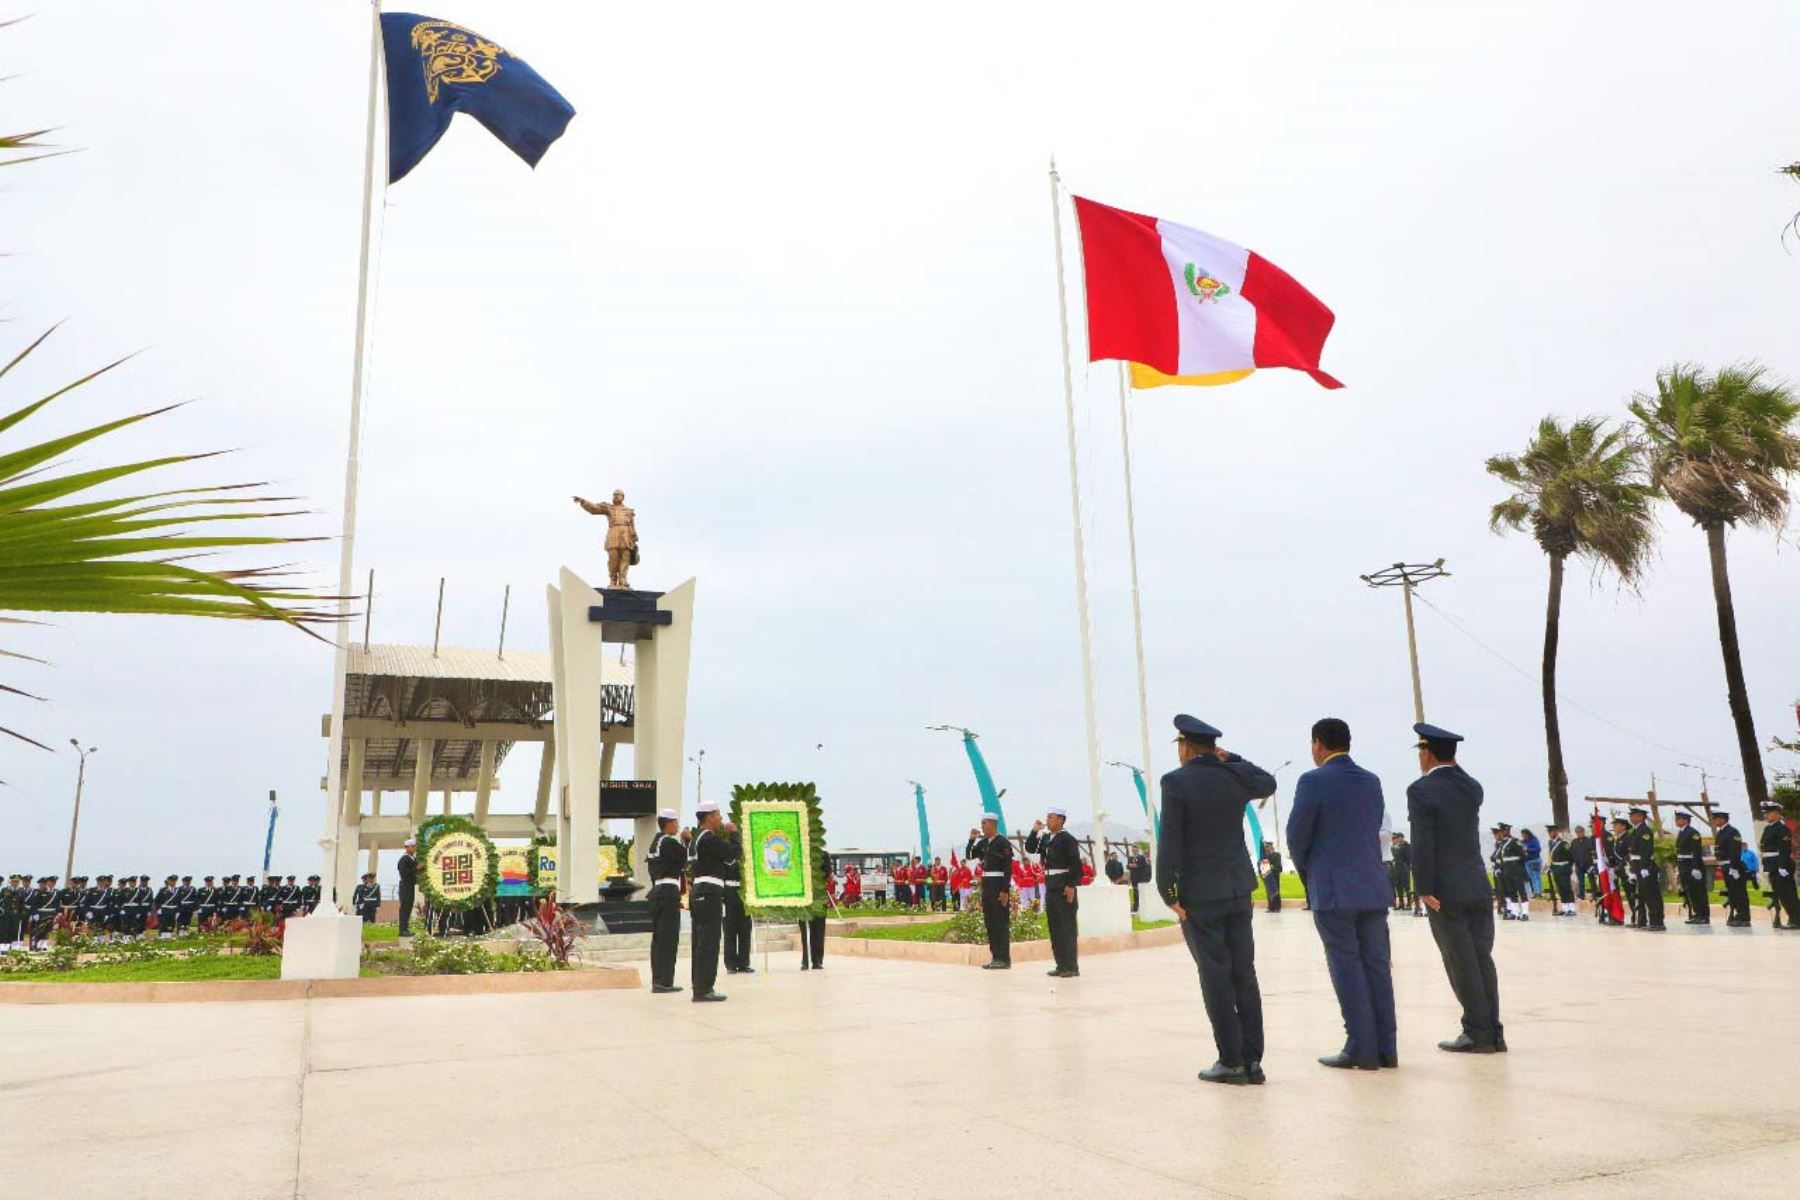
1022, 952
585, 979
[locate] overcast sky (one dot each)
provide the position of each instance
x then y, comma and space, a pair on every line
788, 280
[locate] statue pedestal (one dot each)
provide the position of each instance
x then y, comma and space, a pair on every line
1105, 909
1151, 906
325, 945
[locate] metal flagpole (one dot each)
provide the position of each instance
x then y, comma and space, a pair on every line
347, 543
1137, 611
1081, 596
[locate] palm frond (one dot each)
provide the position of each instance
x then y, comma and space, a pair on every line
1723, 444
1582, 491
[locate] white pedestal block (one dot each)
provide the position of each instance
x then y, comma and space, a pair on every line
1151, 906
1105, 909
326, 945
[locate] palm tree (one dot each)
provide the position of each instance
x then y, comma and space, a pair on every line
1581, 492
64, 550
1721, 447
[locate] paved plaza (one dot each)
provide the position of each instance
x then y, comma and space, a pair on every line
1641, 1065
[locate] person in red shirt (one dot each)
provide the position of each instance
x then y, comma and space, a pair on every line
1087, 873
852, 885
940, 881
1021, 878
831, 886
960, 881
1037, 882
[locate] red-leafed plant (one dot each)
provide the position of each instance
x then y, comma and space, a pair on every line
555, 928
262, 936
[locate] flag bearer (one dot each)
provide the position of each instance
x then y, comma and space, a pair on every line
995, 854
1690, 868
1777, 848
711, 853
666, 860
1060, 856
1622, 878
1728, 852
1640, 853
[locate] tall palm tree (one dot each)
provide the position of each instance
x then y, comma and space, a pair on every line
1722, 446
1581, 491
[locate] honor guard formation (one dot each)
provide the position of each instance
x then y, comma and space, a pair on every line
126, 907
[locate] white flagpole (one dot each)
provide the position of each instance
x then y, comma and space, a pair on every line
1081, 596
334, 782
1137, 611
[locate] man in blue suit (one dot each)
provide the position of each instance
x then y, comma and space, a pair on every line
1334, 839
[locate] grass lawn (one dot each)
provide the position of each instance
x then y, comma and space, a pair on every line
918, 931
1138, 925
167, 970
378, 932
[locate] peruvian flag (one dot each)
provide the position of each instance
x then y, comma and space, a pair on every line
1609, 891
1190, 307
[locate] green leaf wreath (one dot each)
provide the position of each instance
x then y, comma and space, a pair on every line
808, 794
624, 844
429, 835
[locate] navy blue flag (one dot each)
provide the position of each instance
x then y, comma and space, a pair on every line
436, 70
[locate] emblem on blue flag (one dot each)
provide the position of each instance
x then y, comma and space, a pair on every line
436, 69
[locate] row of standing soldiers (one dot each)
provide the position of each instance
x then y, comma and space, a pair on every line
129, 906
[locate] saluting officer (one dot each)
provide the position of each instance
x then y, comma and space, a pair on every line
995, 854
366, 899
1204, 876
737, 918
1777, 848
1728, 852
1061, 857
1444, 807
666, 860
1690, 868
1640, 854
711, 853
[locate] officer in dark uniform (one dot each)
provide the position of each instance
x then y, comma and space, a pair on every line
69, 896
290, 897
1509, 864
812, 929
711, 854
185, 903
366, 899
1777, 849
1443, 806
268, 897
1640, 854
167, 906
737, 917
1562, 873
40, 911
113, 903
996, 855
1400, 871
12, 912
408, 868
1618, 862
666, 860
1204, 876
1728, 852
1690, 869
309, 894
92, 912
206, 902
1061, 857
1270, 866
143, 898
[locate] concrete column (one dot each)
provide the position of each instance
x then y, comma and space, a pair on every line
446, 802
374, 866
576, 651
659, 725
421, 788
484, 783
540, 811
343, 872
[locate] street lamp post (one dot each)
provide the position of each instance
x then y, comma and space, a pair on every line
1406, 577
699, 760
75, 821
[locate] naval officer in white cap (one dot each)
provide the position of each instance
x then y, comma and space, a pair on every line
667, 859
1060, 854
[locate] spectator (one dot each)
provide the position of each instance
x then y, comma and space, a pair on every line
1115, 870
1534, 863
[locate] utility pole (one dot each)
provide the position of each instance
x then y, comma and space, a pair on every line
699, 760
1406, 577
75, 821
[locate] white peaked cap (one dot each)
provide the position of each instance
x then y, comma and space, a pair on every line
707, 806
1056, 811
990, 816
667, 814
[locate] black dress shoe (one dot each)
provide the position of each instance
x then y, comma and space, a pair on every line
818, 966
1499, 1043
1220, 1073
1254, 1073
1658, 928
1344, 1062
805, 966
746, 970
996, 965
1390, 1061
663, 988
708, 997
1462, 1043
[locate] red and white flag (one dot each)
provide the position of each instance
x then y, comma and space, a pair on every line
1186, 307
1609, 887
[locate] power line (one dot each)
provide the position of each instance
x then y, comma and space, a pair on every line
1463, 629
